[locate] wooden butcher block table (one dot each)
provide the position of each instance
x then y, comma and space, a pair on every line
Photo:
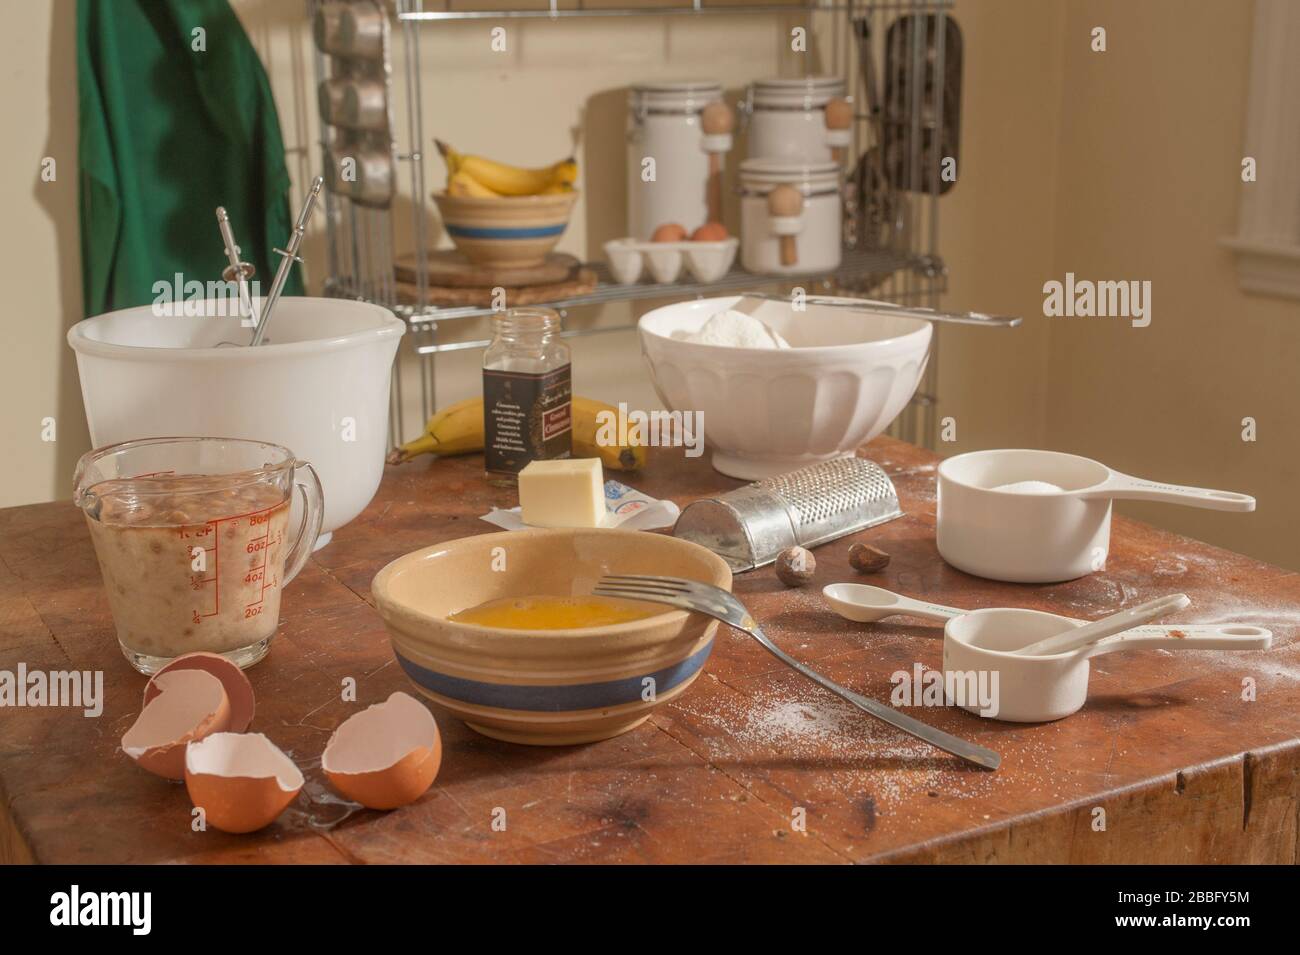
752, 764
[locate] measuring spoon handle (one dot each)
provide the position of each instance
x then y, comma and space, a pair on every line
926, 611
1124, 487
1074, 638
1196, 637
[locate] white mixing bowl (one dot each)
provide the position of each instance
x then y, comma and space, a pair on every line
769, 411
320, 387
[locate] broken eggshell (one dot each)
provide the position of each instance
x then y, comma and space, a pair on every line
241, 781
238, 690
186, 705
385, 756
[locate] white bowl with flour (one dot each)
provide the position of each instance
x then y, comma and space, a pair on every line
769, 409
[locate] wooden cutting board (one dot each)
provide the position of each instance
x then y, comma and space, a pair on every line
448, 268
582, 282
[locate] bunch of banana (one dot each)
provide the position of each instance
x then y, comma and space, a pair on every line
458, 429
476, 176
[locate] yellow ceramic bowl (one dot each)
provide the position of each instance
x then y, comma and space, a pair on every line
545, 687
514, 231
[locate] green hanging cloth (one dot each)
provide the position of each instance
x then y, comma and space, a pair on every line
175, 119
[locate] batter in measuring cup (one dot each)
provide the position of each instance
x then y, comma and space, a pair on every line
195, 564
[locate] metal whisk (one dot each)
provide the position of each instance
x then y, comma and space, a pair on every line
288, 256
241, 272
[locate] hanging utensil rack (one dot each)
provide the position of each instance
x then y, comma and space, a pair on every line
360, 234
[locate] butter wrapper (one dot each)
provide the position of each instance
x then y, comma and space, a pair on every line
625, 507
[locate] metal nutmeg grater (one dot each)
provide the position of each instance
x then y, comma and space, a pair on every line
749, 526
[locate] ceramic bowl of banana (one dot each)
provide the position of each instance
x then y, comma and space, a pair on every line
504, 215
502, 630
514, 231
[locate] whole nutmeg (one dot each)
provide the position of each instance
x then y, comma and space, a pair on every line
866, 559
795, 566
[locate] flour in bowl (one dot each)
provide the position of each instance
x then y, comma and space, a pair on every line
735, 330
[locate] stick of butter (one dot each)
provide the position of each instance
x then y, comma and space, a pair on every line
569, 492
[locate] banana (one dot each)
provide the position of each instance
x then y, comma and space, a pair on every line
458, 429
463, 184
617, 457
505, 179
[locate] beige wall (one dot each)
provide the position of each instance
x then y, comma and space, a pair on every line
996, 227
1148, 177
1114, 165
40, 263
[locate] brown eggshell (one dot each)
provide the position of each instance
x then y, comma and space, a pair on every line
709, 232
385, 756
241, 781
238, 689
186, 705
669, 232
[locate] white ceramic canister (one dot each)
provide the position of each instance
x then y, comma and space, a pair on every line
814, 232
664, 125
787, 119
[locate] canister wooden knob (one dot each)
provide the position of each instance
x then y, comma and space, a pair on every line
784, 206
839, 119
717, 120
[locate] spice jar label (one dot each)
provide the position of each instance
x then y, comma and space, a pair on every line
527, 417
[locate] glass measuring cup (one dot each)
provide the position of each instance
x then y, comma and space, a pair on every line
190, 534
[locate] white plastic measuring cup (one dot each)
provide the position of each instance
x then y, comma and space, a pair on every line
194, 544
1030, 689
1043, 536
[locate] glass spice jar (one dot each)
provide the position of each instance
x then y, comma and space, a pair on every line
527, 393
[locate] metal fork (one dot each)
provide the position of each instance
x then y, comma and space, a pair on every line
719, 604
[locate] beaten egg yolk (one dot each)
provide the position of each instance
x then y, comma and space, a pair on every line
554, 613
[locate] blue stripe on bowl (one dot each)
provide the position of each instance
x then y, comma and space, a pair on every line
553, 698
484, 232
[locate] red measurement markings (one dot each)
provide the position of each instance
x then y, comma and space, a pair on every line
259, 544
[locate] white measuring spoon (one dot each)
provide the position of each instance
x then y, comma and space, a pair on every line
1076, 637
863, 603
1193, 637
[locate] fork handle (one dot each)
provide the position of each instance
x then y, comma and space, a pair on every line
968, 751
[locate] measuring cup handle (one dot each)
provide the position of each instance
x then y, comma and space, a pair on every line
1124, 487
313, 513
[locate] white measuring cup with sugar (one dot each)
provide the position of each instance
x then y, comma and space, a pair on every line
1060, 529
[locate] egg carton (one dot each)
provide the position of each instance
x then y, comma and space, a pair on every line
706, 261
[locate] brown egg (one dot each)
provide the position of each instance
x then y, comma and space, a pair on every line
238, 690
710, 232
385, 756
669, 232
186, 705
241, 781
